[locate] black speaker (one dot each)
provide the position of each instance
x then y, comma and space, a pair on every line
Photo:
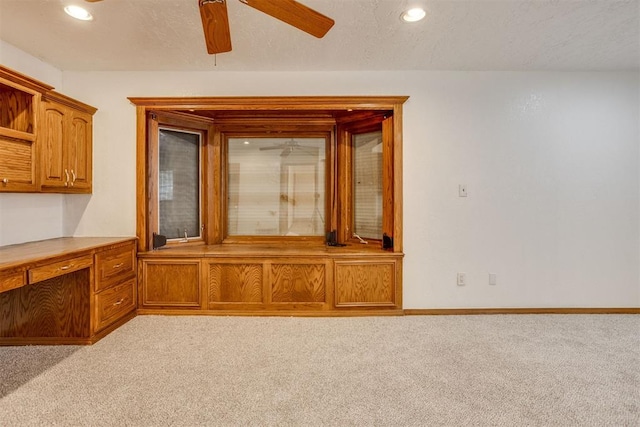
387, 241
332, 240
159, 240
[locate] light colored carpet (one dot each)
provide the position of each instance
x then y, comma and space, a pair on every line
534, 370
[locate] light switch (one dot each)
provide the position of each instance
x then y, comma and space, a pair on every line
462, 190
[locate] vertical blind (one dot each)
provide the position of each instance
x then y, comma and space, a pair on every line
367, 184
276, 186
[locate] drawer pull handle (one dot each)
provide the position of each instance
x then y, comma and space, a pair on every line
119, 302
65, 267
5, 180
118, 265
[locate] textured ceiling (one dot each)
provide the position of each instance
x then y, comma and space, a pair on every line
368, 35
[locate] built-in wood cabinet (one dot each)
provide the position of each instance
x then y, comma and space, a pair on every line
170, 283
19, 110
45, 138
66, 144
267, 280
369, 283
67, 290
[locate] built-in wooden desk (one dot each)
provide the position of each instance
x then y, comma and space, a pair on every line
72, 290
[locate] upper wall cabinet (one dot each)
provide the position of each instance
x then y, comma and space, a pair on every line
45, 138
19, 106
66, 144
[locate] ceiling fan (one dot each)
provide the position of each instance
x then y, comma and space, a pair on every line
290, 146
215, 20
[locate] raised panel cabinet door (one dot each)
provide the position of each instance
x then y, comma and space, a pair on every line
293, 282
365, 283
235, 283
167, 283
55, 173
79, 151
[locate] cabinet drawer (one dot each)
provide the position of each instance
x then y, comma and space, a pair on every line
38, 274
12, 279
114, 265
112, 304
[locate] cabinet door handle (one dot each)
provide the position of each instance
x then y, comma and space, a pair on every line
66, 172
5, 180
73, 175
118, 265
119, 302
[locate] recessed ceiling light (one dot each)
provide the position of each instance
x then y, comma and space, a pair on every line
78, 13
413, 15
247, 143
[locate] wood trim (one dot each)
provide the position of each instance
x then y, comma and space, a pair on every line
389, 176
141, 180
23, 80
359, 312
546, 310
272, 102
17, 134
397, 178
68, 101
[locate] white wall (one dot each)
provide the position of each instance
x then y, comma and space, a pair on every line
29, 217
551, 161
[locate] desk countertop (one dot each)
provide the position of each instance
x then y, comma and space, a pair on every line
32, 253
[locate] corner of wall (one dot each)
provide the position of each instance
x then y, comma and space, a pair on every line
23, 62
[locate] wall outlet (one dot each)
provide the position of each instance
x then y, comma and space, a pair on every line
462, 279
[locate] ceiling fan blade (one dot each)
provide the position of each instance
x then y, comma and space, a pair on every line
215, 23
296, 14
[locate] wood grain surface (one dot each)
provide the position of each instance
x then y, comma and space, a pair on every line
18, 109
171, 283
47, 251
235, 283
114, 303
364, 283
297, 282
58, 307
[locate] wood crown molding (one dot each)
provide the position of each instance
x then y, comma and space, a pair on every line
52, 95
23, 80
271, 102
